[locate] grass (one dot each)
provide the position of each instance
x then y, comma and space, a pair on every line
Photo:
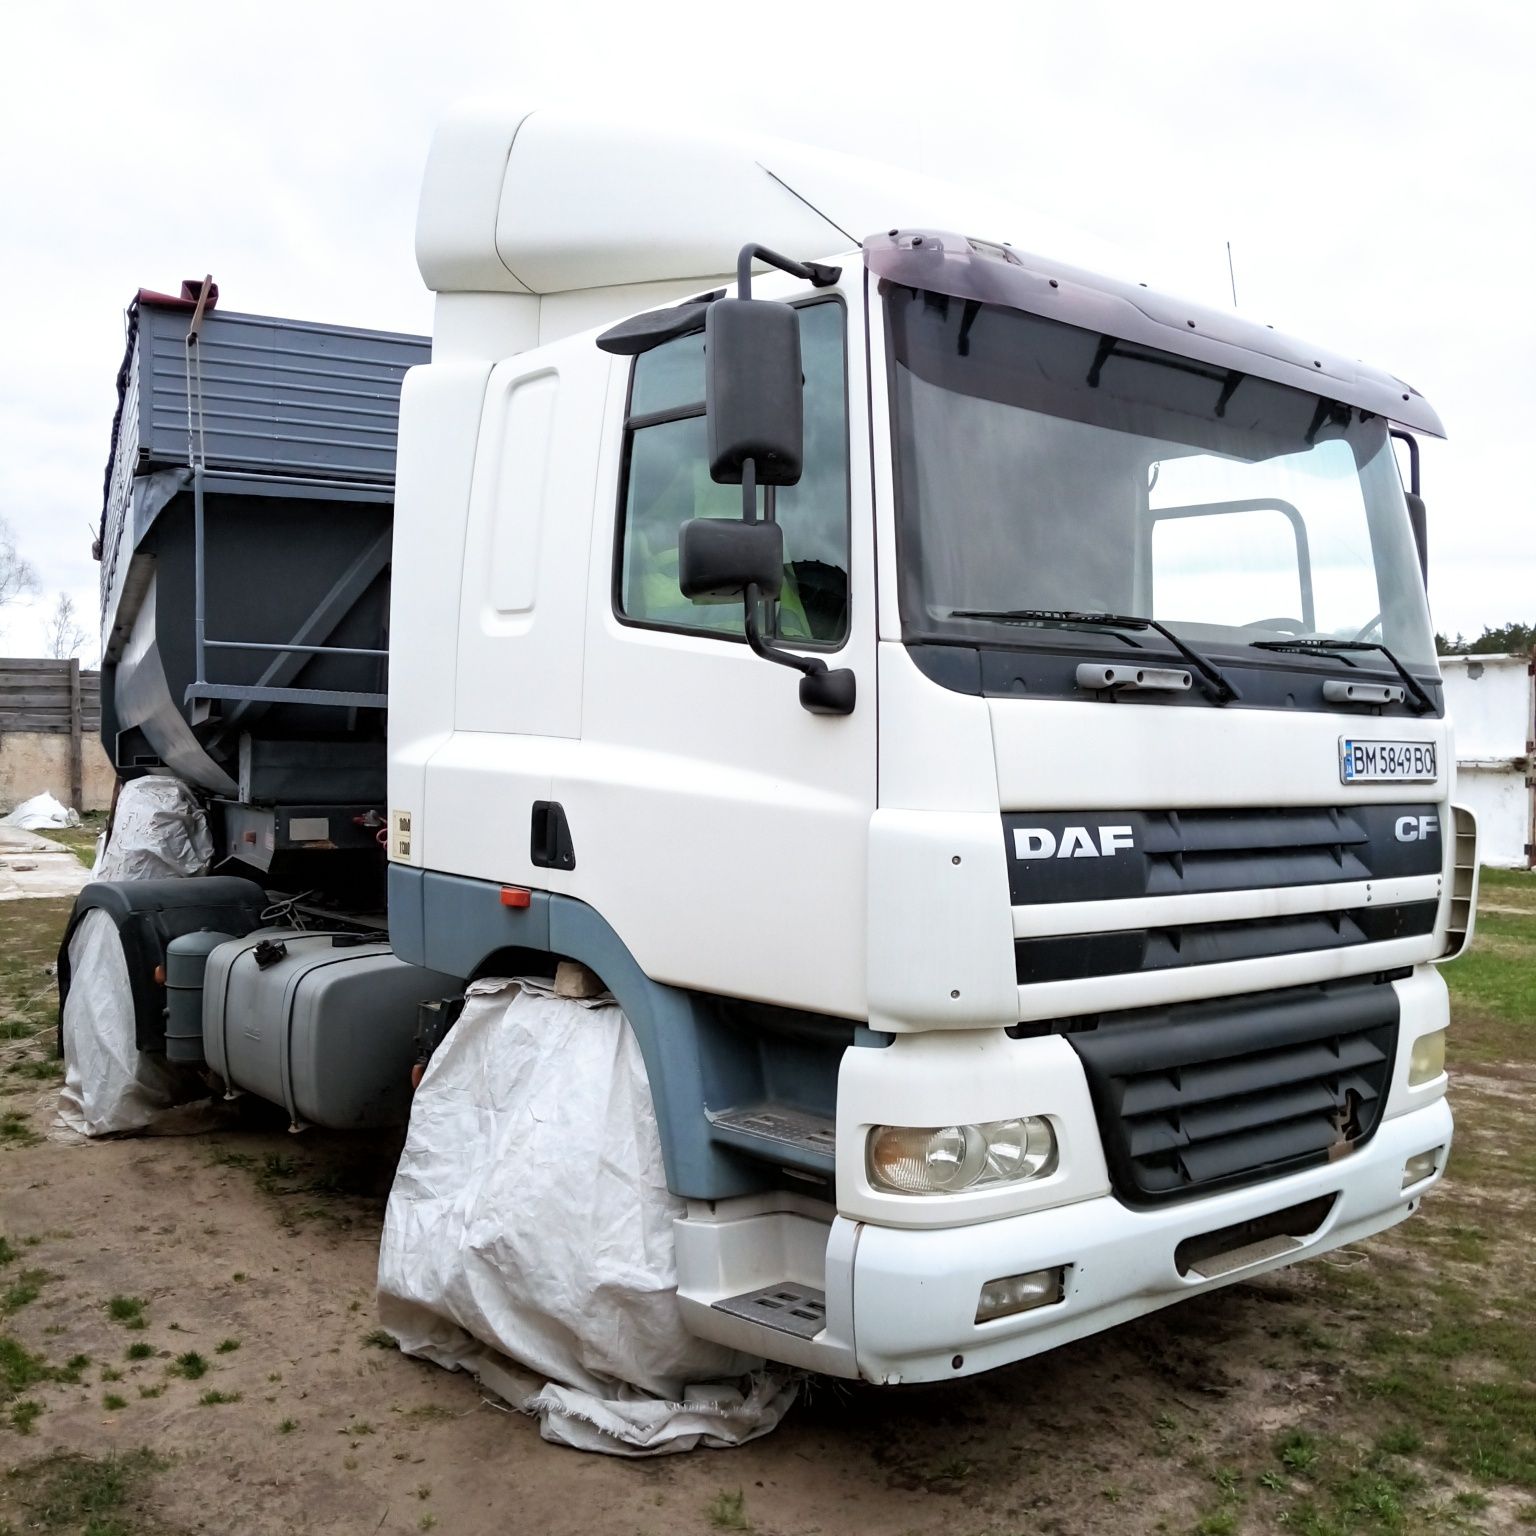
16, 1130
1429, 1345
92, 1496
23, 1290
81, 840
227, 1346
285, 1179
21, 1368
40, 1071
128, 1310
139, 1350
190, 1366
211, 1399
727, 1511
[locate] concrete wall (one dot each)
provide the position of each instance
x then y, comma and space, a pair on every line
34, 761
49, 711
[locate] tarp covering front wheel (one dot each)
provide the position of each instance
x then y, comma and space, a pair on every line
528, 1237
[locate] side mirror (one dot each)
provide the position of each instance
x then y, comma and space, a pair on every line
719, 557
755, 418
753, 400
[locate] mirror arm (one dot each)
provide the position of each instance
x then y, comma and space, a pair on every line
818, 274
1417, 517
823, 691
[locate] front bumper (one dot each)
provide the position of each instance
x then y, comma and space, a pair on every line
901, 1302
914, 1293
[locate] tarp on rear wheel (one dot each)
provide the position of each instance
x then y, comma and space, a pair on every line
110, 1085
528, 1238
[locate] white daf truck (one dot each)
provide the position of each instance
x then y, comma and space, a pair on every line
979, 718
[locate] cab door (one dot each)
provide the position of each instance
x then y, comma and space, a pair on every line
718, 826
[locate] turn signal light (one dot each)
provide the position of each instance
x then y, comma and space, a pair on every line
1428, 1059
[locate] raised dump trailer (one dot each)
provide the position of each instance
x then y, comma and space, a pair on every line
978, 716
245, 553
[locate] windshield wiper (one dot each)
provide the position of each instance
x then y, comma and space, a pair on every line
1216, 681
1421, 699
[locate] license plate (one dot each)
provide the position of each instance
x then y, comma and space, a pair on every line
1377, 762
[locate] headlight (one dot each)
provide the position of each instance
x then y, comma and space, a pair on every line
944, 1159
1428, 1059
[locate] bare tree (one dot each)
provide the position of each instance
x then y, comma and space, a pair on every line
65, 635
17, 578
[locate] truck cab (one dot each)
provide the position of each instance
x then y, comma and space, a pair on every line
1086, 959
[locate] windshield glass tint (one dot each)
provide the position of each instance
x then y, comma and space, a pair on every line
1043, 466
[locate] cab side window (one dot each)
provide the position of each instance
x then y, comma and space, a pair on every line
666, 482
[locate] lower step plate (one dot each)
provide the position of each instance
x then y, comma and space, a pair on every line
788, 1307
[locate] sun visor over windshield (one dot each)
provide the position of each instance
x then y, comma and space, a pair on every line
995, 274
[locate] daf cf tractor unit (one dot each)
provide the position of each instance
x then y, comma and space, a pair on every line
978, 716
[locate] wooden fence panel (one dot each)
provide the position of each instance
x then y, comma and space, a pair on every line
49, 697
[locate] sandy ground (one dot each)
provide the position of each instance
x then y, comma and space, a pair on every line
381, 1441
1076, 1441
247, 1236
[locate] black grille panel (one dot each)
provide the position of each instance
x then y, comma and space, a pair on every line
1204, 1096
1066, 856
1071, 956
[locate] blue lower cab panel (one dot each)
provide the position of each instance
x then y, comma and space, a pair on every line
742, 1091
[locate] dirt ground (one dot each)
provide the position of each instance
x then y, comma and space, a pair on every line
187, 1344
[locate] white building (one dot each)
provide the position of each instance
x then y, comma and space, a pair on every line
1492, 700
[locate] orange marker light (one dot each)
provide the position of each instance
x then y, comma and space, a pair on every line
516, 896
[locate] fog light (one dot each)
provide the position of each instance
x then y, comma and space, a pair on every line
943, 1159
1428, 1059
1420, 1166
1018, 1293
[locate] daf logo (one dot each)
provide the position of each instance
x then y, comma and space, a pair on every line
1076, 842
1416, 829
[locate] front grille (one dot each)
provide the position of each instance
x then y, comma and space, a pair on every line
1066, 855
1070, 956
1203, 1096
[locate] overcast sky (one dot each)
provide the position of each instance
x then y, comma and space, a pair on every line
1373, 165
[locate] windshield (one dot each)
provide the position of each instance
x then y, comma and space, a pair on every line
1042, 466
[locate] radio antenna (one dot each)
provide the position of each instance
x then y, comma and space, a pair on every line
1231, 274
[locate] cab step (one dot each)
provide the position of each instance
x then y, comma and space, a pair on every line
779, 1133
788, 1307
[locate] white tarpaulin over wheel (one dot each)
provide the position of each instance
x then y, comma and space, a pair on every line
41, 812
529, 1229
110, 1086
158, 831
